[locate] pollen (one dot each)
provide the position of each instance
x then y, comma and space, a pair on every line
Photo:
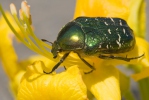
13, 9
26, 8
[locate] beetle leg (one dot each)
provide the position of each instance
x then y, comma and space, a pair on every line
119, 58
89, 72
56, 66
65, 68
89, 65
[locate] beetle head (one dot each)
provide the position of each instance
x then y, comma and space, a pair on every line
55, 49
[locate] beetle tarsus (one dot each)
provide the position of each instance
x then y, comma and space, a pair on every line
119, 58
56, 66
46, 72
89, 72
65, 68
128, 59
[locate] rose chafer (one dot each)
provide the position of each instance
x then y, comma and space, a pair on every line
94, 36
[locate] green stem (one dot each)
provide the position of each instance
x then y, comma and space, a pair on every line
143, 84
128, 96
144, 88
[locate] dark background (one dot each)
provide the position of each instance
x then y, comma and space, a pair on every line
48, 17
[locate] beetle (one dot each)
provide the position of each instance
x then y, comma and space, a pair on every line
94, 36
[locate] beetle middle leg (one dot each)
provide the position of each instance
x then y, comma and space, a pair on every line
119, 58
89, 65
56, 66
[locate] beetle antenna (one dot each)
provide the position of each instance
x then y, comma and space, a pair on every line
44, 40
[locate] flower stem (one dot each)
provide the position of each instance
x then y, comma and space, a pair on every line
144, 88
128, 96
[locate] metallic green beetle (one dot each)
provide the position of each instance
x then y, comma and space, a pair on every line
94, 36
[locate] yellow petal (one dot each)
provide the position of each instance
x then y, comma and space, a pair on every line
102, 8
137, 17
104, 82
49, 63
143, 46
64, 86
7, 52
143, 74
15, 83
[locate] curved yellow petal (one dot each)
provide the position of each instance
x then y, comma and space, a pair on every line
143, 74
7, 52
143, 47
15, 83
103, 82
137, 17
64, 86
49, 63
102, 8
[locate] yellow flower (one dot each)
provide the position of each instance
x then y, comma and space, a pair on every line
103, 83
93, 85
7, 53
13, 67
36, 85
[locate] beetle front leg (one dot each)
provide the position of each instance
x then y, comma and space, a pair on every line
56, 66
119, 58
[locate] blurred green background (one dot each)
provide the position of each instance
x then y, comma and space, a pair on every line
48, 17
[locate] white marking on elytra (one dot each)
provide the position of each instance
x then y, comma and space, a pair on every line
107, 47
86, 20
96, 19
116, 28
119, 44
99, 46
120, 22
106, 23
119, 37
85, 46
109, 31
112, 19
124, 30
